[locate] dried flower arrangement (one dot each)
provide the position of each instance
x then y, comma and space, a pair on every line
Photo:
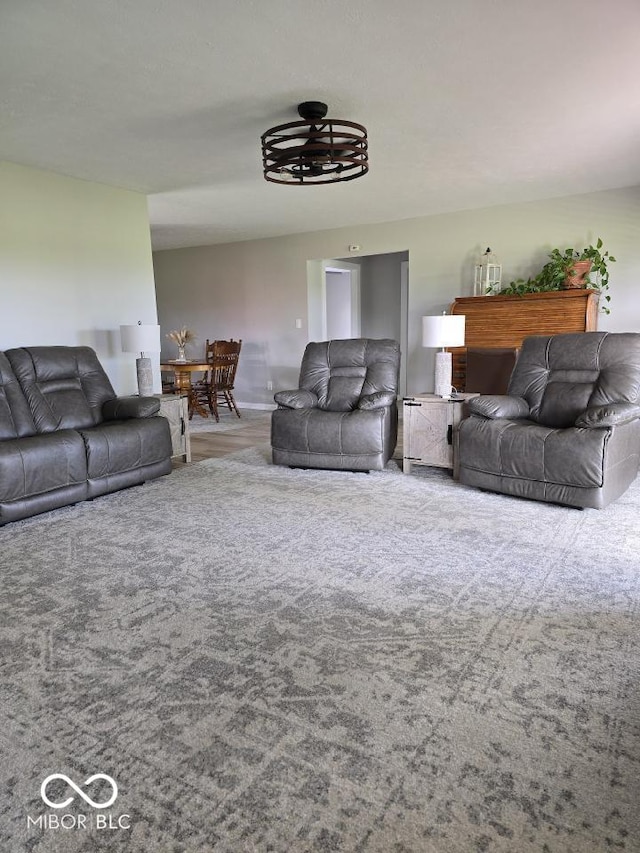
182, 336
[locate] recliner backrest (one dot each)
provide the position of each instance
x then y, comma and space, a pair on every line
65, 387
560, 376
340, 372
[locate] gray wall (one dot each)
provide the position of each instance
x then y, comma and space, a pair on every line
339, 305
380, 295
257, 289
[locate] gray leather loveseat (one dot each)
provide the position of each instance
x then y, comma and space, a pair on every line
66, 437
568, 431
344, 414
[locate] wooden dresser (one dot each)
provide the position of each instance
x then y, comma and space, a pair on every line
505, 321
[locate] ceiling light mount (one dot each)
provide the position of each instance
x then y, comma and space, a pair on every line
315, 150
312, 110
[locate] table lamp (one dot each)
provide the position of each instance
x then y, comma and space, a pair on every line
443, 330
142, 338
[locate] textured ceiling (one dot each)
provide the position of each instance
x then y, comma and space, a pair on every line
467, 104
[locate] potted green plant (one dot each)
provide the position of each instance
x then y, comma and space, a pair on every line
569, 269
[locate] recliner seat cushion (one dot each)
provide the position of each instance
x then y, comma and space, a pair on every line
529, 451
314, 431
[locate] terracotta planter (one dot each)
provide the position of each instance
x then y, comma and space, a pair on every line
576, 275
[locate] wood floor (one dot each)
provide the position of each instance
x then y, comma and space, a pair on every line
208, 445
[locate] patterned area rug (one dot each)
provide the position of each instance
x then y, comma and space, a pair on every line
228, 420
274, 660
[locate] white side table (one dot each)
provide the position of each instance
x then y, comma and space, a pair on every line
429, 427
175, 408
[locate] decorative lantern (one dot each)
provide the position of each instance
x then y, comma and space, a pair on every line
488, 275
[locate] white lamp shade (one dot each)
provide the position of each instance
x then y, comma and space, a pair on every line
140, 338
443, 330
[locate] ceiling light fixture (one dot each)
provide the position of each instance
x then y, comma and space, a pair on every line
316, 150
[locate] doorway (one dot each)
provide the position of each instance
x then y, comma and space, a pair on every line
342, 298
365, 297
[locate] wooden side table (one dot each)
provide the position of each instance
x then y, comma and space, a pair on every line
175, 409
429, 427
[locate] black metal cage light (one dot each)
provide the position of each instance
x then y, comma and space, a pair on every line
315, 151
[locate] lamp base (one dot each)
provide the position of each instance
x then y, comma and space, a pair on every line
145, 377
443, 374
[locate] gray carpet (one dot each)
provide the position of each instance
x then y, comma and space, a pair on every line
275, 660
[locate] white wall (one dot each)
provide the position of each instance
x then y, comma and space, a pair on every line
256, 289
75, 263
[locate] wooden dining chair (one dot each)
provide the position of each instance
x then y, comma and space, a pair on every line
217, 386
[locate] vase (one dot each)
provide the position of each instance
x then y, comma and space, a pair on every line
181, 354
576, 275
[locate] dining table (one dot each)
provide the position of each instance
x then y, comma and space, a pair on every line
183, 371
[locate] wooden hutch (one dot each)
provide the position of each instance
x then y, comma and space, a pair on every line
504, 321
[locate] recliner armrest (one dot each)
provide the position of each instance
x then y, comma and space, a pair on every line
499, 406
377, 400
298, 399
125, 408
612, 414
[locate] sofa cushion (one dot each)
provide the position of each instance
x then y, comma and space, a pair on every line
116, 446
65, 387
15, 417
42, 463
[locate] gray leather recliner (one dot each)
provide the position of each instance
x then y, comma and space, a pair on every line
568, 431
344, 414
